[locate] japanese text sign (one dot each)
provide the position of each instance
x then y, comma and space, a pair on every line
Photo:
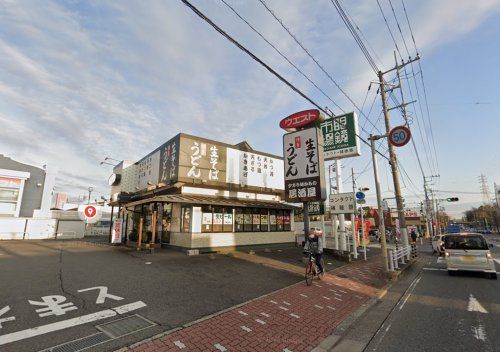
304, 166
340, 136
343, 203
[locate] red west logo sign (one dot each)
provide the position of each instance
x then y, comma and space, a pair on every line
300, 119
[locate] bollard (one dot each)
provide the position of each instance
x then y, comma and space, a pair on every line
396, 266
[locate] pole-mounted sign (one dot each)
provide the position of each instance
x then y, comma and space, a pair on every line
301, 119
399, 136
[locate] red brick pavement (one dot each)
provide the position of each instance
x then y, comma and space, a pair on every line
296, 318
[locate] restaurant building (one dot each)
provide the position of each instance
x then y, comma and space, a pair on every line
194, 193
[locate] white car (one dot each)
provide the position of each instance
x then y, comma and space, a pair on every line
468, 252
438, 244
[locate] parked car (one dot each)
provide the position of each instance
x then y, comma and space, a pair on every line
438, 244
469, 252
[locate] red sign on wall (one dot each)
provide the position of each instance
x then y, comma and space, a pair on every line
90, 211
300, 119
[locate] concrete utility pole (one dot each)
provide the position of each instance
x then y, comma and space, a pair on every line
353, 219
394, 163
342, 232
381, 221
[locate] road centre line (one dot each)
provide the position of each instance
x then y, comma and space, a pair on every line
60, 325
410, 291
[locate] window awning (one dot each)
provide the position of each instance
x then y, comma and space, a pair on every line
207, 200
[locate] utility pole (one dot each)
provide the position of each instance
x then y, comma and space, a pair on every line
393, 162
342, 232
353, 219
381, 221
335, 233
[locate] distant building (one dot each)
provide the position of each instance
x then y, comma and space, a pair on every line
25, 190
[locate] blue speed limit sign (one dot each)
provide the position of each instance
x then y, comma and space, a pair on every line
399, 136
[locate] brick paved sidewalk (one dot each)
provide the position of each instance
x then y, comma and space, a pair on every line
296, 318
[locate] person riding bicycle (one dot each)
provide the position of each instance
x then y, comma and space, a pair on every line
314, 244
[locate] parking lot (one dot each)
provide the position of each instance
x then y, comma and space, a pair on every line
53, 292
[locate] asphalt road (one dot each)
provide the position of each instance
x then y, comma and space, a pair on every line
439, 312
167, 288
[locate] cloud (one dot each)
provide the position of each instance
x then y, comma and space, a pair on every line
81, 81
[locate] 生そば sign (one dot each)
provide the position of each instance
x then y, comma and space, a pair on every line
304, 166
340, 136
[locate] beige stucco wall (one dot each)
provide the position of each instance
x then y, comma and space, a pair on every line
180, 239
230, 239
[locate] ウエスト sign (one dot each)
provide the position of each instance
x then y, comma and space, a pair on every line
301, 119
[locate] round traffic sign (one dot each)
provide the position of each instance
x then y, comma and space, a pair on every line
90, 211
399, 136
361, 201
360, 195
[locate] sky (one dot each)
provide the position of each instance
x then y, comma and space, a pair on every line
85, 80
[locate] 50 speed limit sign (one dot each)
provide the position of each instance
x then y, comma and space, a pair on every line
399, 136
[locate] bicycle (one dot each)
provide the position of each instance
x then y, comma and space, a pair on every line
312, 269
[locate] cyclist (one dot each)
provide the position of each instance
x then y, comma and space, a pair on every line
314, 244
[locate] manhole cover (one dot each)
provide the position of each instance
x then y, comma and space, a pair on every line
80, 344
125, 326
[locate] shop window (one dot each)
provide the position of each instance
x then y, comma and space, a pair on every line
255, 220
279, 220
218, 219
272, 220
186, 219
228, 220
264, 220
247, 218
287, 224
239, 220
206, 219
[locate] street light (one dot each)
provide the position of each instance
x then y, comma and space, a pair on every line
90, 189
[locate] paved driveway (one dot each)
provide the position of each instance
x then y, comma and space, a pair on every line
57, 291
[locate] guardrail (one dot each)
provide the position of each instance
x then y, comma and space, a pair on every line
395, 255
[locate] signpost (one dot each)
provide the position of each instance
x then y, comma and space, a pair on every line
340, 136
116, 235
360, 195
399, 136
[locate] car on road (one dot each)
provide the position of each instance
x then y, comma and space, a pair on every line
468, 252
438, 244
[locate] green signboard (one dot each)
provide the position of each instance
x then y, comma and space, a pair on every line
316, 208
340, 136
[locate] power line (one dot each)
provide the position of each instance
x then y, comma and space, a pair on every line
280, 21
262, 63
282, 55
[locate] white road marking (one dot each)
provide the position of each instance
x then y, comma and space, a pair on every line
475, 306
288, 304
220, 347
479, 332
317, 306
129, 307
327, 298
245, 328
265, 314
61, 325
330, 307
179, 344
294, 315
273, 302
303, 295
2, 312
260, 321
338, 299
284, 308
410, 291
287, 350
242, 312
103, 294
